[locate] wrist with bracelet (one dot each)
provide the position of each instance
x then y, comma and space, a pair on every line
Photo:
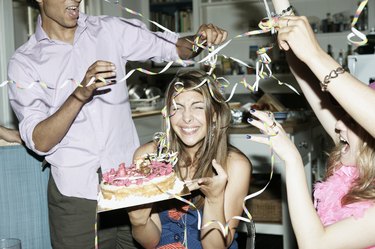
332, 75
286, 12
76, 97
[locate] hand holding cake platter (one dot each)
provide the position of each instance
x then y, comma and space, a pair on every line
149, 180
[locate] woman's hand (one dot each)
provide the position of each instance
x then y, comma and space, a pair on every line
10, 135
213, 187
295, 33
140, 215
95, 77
275, 136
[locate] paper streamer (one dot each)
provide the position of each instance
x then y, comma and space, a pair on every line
355, 33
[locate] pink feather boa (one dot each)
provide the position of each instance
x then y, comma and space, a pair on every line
328, 195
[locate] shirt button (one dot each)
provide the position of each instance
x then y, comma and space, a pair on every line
176, 237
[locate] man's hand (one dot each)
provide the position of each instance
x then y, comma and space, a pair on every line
95, 77
212, 34
208, 34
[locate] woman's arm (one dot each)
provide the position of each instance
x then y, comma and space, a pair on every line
239, 175
354, 97
350, 233
224, 199
319, 102
147, 231
10, 135
146, 225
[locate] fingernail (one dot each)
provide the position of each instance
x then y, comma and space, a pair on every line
248, 136
252, 110
250, 120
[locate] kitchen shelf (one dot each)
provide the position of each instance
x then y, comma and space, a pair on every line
176, 15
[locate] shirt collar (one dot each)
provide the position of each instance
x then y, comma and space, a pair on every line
41, 35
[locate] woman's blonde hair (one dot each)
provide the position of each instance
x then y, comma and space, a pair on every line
363, 187
215, 143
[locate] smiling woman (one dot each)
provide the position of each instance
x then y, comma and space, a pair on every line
219, 174
189, 119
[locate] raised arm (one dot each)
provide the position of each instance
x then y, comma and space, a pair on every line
309, 83
295, 34
309, 230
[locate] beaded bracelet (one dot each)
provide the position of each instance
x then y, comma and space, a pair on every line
327, 79
284, 11
76, 97
290, 8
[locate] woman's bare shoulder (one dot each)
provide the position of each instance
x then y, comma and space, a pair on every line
238, 161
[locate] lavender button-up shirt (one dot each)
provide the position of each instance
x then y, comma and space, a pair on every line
103, 134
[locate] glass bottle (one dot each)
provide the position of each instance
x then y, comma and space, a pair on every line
340, 58
349, 52
329, 22
329, 50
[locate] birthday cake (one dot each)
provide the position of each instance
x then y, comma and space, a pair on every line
147, 180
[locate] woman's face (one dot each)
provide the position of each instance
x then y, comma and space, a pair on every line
189, 119
346, 128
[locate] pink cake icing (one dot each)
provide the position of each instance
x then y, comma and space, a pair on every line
140, 182
135, 175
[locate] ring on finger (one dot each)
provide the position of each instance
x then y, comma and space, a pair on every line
273, 125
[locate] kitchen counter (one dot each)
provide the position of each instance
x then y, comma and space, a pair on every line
138, 114
290, 127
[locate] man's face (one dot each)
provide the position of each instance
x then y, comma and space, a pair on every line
59, 14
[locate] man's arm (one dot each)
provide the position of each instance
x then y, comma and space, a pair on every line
52, 130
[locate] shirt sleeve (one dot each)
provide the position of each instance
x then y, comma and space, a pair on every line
139, 44
29, 100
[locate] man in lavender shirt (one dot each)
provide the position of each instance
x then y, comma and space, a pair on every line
80, 130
